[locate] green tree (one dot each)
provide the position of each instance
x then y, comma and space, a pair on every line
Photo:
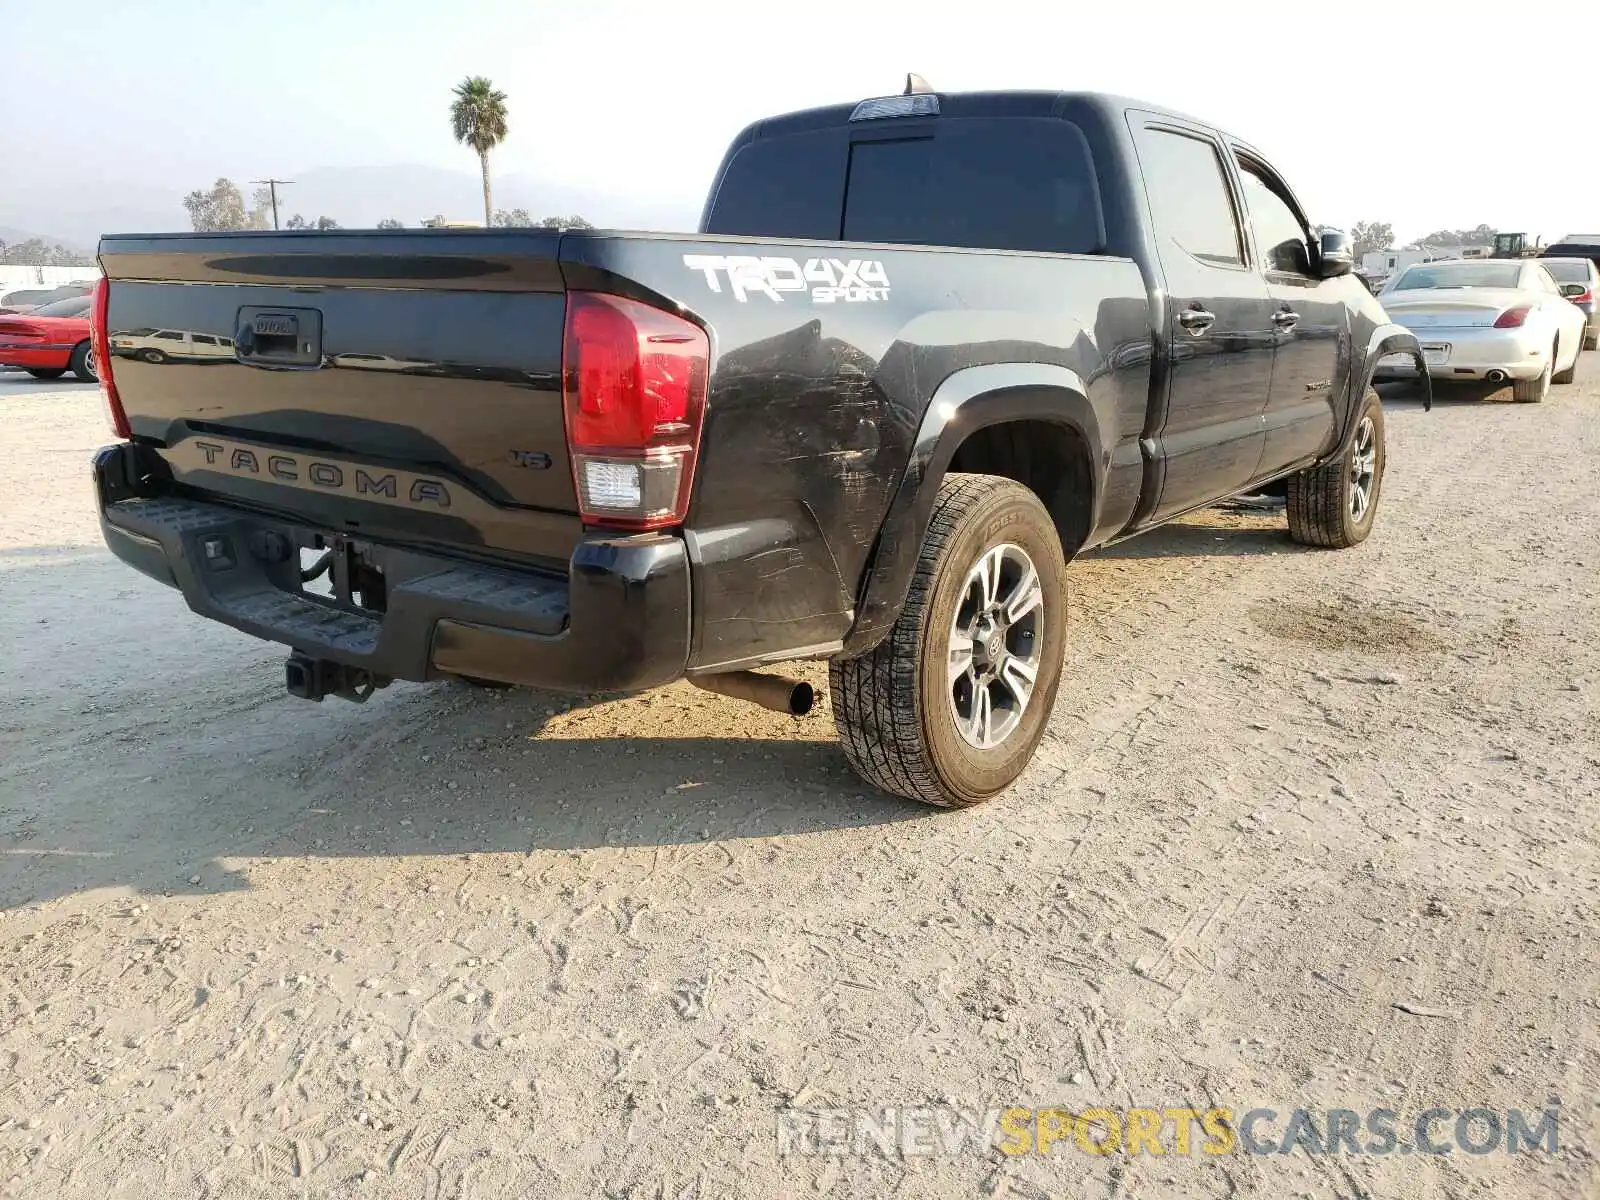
1369, 236
222, 208
1483, 235
391, 223
299, 222
511, 218
36, 252
478, 119
219, 209
572, 222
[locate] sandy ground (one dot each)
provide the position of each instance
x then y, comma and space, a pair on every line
461, 944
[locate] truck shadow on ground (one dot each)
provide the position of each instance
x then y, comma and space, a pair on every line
427, 772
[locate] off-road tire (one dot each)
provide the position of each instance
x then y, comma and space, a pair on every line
81, 364
1571, 373
1532, 391
892, 705
47, 372
1319, 498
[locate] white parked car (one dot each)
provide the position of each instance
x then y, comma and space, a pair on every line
1492, 320
164, 345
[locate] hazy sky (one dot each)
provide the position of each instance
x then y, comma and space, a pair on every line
1419, 113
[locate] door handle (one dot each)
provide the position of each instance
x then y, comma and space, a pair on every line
1196, 319
1286, 318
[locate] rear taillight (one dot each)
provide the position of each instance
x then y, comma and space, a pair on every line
115, 416
1513, 318
1582, 297
634, 388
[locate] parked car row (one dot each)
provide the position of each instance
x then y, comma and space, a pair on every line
50, 340
26, 300
1501, 320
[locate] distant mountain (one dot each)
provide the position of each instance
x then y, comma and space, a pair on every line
356, 197
13, 237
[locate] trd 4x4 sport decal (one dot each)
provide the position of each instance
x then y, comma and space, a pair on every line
825, 280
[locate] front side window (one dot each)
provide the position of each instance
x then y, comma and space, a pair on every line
1280, 237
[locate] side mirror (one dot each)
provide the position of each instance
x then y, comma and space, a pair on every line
1337, 254
1569, 290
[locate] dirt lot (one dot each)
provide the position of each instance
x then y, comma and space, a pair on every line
455, 943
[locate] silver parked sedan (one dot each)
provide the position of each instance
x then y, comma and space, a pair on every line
1494, 320
1572, 274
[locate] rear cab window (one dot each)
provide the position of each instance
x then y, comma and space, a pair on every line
1000, 183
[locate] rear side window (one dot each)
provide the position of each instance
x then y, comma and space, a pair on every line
1013, 184
783, 187
1189, 197
78, 306
1569, 272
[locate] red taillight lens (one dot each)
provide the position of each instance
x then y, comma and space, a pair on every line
634, 387
115, 416
1582, 297
1513, 318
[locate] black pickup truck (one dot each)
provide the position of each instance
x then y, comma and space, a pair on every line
923, 351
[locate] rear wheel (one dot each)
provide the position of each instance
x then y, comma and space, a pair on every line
1532, 391
1571, 372
1333, 505
82, 363
47, 372
949, 708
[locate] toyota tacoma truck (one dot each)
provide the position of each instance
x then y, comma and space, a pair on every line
923, 351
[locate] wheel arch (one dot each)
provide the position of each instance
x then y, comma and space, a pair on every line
1011, 419
1384, 339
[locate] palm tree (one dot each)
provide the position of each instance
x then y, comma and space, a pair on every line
478, 117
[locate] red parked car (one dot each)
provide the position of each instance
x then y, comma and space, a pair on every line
51, 340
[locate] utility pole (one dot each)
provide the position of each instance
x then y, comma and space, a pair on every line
272, 186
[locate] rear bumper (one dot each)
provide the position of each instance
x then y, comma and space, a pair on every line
618, 621
1472, 354
38, 357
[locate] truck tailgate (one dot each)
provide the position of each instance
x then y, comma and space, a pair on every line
400, 384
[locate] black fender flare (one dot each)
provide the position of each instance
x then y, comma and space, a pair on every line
968, 400
1387, 339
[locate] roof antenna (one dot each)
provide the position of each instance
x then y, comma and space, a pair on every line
916, 84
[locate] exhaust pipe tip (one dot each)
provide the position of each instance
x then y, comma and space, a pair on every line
1496, 376
801, 697
773, 692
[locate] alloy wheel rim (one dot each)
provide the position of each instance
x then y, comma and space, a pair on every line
88, 362
995, 646
1363, 469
